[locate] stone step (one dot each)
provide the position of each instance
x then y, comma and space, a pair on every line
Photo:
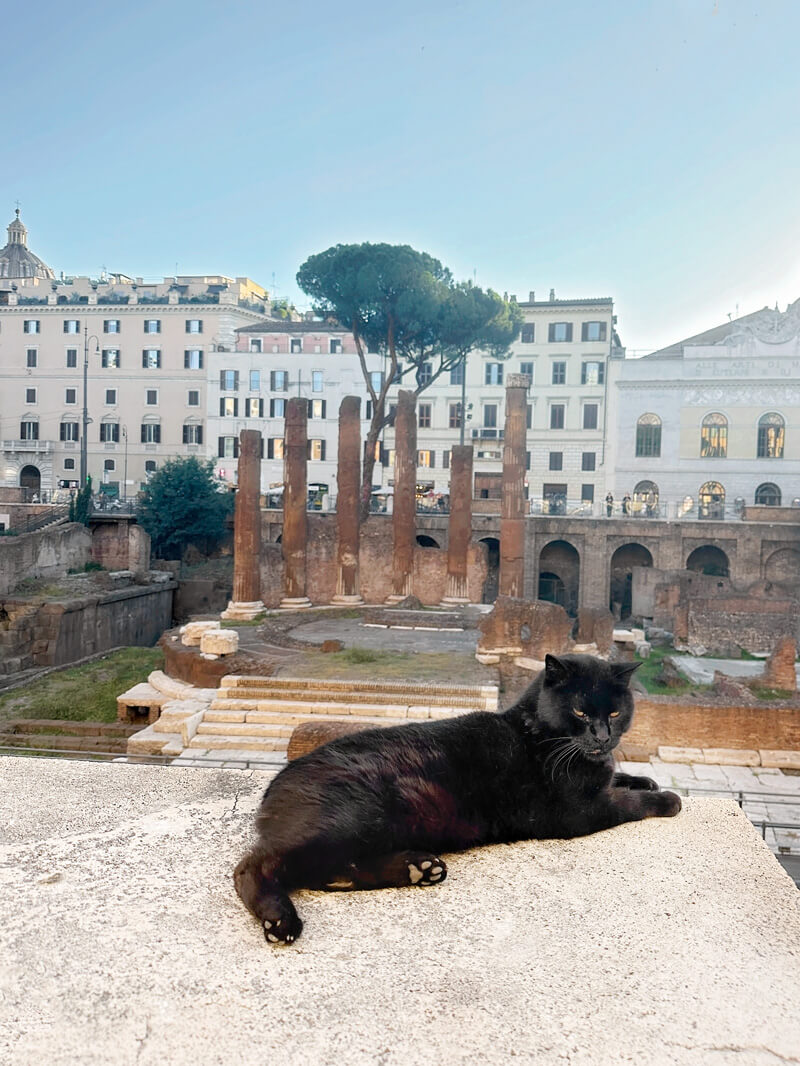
291, 719
351, 687
246, 729
402, 712
219, 742
62, 742
405, 695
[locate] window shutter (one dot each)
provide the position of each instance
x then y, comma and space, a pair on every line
271, 408
262, 447
236, 380
322, 450
199, 436
272, 380
235, 447
185, 360
185, 434
157, 436
308, 449
433, 459
144, 433
261, 409
324, 408
270, 448
199, 360
222, 405
220, 446
235, 407
222, 380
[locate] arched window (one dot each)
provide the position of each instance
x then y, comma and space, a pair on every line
645, 499
771, 436
648, 436
711, 500
768, 495
714, 437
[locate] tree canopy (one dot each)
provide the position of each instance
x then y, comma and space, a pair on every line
181, 506
405, 305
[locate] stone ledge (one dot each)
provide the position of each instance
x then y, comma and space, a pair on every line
661, 942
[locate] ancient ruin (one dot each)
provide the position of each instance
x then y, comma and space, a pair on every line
295, 504
404, 518
460, 525
246, 602
348, 480
512, 514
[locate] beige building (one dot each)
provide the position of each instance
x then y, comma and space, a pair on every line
145, 346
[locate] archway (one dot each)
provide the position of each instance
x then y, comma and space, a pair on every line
709, 560
491, 585
31, 480
424, 541
768, 495
560, 560
620, 591
645, 499
711, 500
783, 568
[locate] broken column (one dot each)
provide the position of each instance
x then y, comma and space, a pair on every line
348, 501
246, 602
295, 504
512, 511
460, 525
404, 516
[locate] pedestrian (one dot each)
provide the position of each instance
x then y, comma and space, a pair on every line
626, 504
609, 504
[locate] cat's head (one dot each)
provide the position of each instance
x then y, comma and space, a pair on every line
588, 700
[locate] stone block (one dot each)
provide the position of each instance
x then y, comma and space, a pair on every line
329, 646
689, 755
781, 760
731, 757
219, 642
192, 632
527, 628
642, 649
779, 670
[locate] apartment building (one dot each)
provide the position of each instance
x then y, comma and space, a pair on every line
146, 348
564, 348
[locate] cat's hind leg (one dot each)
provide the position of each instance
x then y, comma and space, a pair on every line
266, 898
397, 870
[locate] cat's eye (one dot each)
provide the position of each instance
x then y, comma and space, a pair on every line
579, 714
614, 714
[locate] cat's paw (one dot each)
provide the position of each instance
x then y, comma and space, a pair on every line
282, 930
644, 784
665, 804
426, 869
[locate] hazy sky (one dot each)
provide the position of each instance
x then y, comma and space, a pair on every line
647, 150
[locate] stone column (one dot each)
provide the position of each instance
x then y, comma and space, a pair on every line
404, 516
460, 524
348, 494
295, 504
512, 511
246, 602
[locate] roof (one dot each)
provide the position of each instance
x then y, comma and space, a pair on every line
16, 259
284, 325
709, 336
589, 302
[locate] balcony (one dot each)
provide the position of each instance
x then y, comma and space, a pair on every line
38, 447
488, 433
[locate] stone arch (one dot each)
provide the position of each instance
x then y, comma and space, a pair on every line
425, 541
30, 479
768, 495
491, 585
645, 499
709, 559
711, 500
783, 567
620, 586
560, 560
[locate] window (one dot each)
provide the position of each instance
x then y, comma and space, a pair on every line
150, 466
648, 436
192, 433
714, 436
109, 432
368, 410
426, 458
527, 369
296, 345
30, 325
109, 464
255, 380
275, 448
559, 374
279, 380
425, 374
559, 331
593, 373
529, 416
111, 396
376, 380
30, 396
72, 325
70, 396
152, 325
493, 374
457, 374
151, 358
771, 436
254, 407
588, 460
334, 346
255, 344
446, 459
68, 431
557, 411
193, 398
490, 415
151, 397
768, 495
587, 493
398, 375
277, 408
31, 357
593, 331
110, 358
455, 416
194, 325
590, 416
316, 381
193, 359
111, 325
151, 433
229, 407
229, 380
556, 461
316, 450
528, 333
69, 464
228, 447
424, 416
29, 430
72, 357
527, 460
317, 408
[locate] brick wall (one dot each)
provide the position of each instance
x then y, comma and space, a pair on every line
46, 553
672, 722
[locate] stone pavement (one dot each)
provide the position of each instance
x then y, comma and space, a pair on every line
701, 671
356, 634
663, 942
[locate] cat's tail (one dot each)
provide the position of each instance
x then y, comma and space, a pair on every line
259, 888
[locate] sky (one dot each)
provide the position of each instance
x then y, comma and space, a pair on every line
647, 150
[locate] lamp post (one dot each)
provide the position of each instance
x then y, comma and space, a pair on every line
84, 456
125, 468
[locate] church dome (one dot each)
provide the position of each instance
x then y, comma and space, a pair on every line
16, 261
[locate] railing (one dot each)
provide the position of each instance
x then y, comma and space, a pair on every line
111, 505
31, 522
39, 446
684, 510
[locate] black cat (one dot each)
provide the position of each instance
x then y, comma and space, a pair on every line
375, 809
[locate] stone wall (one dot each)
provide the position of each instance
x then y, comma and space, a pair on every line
755, 620
689, 723
46, 553
121, 545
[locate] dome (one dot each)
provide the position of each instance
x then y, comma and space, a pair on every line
16, 261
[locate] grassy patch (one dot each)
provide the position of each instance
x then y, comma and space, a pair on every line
83, 693
765, 692
227, 623
651, 668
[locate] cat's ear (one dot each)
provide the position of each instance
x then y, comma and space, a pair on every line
623, 672
555, 670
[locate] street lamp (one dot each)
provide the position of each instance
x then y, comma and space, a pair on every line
84, 457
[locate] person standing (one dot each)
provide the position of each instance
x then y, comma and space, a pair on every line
609, 504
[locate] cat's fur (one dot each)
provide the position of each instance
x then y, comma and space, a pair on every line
376, 809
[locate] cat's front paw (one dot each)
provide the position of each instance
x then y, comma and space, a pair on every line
282, 930
426, 869
665, 804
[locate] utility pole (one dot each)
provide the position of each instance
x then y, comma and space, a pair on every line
125, 473
84, 457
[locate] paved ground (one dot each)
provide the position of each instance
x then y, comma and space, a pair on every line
663, 942
701, 671
355, 634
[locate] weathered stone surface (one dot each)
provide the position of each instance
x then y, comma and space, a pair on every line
247, 528
219, 642
669, 675
512, 511
404, 516
348, 500
310, 735
782, 760
295, 503
192, 632
527, 628
459, 524
779, 669
329, 646
731, 689
596, 626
